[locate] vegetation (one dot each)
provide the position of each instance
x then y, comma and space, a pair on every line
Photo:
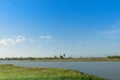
64, 58
61, 58
114, 57
10, 72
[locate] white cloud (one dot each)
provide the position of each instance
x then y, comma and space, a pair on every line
11, 41
20, 39
7, 42
111, 32
45, 37
31, 40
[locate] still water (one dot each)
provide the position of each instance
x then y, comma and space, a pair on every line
109, 70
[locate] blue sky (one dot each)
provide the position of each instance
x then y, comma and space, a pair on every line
41, 28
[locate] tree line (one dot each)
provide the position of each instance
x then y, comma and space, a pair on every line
63, 56
113, 57
34, 58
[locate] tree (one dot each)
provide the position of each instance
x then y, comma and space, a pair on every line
64, 55
55, 57
61, 57
113, 57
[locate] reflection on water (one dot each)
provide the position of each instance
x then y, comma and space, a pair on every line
108, 70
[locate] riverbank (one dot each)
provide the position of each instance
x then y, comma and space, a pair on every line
77, 60
65, 59
10, 72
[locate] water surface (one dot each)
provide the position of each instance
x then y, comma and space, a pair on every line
109, 70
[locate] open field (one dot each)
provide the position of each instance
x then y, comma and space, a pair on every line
10, 72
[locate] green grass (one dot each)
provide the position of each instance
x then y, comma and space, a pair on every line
10, 72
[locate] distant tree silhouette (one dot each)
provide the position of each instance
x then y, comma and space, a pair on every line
64, 55
114, 57
55, 57
61, 57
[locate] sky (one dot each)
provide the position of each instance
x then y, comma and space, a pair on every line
45, 28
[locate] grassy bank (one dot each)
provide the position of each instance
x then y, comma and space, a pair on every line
10, 72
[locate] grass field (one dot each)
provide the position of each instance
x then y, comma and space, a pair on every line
10, 72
